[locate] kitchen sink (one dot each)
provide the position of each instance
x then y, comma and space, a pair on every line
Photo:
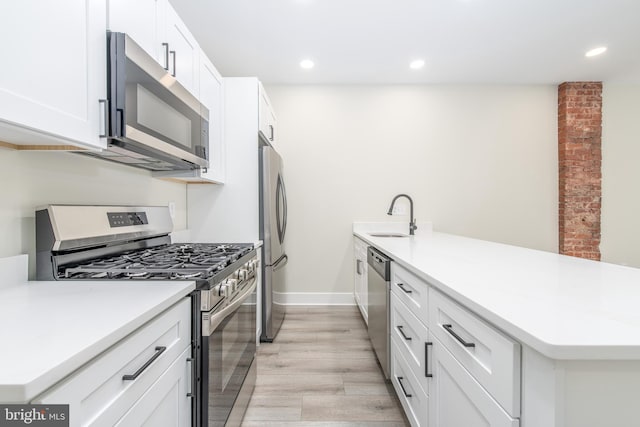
388, 234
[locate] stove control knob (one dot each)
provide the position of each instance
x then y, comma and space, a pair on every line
243, 274
225, 291
232, 284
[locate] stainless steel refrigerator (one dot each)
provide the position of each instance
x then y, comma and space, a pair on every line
273, 228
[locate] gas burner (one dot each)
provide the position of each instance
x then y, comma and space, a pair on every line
138, 275
183, 276
186, 249
172, 261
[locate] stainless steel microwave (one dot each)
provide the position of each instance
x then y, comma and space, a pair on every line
152, 121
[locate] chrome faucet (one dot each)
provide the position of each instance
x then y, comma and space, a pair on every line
412, 220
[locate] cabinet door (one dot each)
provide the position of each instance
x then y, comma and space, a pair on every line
211, 96
144, 21
98, 394
267, 116
166, 403
413, 398
457, 399
184, 52
360, 277
54, 71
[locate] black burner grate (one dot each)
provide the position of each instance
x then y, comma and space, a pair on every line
168, 262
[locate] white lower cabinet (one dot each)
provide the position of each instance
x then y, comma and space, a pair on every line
412, 338
492, 358
448, 367
164, 404
143, 377
360, 269
414, 399
457, 399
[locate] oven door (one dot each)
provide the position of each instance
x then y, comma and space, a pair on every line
228, 351
150, 112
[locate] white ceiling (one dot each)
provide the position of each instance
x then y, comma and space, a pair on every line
462, 41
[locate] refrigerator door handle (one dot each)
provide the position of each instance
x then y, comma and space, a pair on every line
286, 208
280, 209
284, 259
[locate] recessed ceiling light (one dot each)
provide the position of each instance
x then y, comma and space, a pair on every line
417, 64
595, 52
307, 64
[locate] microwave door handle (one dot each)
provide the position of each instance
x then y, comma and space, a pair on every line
120, 120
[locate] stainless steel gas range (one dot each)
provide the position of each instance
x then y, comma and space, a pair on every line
133, 243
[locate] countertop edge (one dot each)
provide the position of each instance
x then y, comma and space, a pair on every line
553, 351
21, 393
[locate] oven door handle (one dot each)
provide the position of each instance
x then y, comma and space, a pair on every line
209, 325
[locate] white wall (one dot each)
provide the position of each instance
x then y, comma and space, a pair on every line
621, 174
480, 161
34, 179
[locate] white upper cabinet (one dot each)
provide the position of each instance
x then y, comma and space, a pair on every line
184, 52
144, 21
212, 97
54, 72
267, 117
157, 28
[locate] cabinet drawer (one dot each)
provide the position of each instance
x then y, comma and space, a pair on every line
166, 403
491, 357
413, 398
98, 394
411, 290
458, 399
411, 337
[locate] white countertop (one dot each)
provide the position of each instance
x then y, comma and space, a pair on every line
563, 307
49, 329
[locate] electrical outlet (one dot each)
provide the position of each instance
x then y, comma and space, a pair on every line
399, 210
172, 210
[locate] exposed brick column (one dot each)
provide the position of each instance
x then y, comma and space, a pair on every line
580, 168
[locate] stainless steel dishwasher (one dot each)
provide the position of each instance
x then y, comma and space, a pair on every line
378, 288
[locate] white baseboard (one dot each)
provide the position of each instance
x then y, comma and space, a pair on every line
314, 298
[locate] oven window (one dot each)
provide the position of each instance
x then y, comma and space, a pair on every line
229, 352
158, 116
154, 110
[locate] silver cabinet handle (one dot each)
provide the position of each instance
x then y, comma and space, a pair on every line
401, 286
173, 53
400, 328
166, 55
193, 377
449, 328
104, 117
359, 267
426, 359
402, 386
159, 351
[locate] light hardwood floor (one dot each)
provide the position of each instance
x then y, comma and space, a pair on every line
321, 371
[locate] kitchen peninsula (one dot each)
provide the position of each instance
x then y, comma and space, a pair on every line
547, 340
